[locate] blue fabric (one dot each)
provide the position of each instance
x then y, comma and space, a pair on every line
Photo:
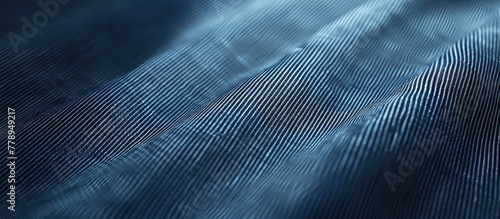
254, 109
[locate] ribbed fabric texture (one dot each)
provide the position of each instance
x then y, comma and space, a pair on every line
255, 109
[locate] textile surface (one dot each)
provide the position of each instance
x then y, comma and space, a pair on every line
252, 108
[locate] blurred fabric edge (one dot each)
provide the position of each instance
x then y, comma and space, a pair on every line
87, 43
